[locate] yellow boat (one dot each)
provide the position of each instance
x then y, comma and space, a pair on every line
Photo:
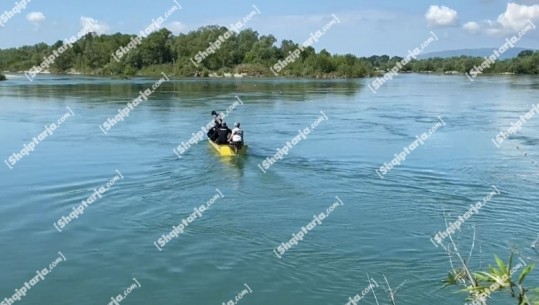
227, 150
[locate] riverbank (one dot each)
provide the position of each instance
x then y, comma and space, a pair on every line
236, 75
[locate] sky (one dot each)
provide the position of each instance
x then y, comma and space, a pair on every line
364, 27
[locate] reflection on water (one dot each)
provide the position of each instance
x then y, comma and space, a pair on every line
188, 89
233, 167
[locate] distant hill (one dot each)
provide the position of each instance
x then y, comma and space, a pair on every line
511, 53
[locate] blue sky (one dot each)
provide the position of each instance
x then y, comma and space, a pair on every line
367, 27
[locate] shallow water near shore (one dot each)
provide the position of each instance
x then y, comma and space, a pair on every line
384, 226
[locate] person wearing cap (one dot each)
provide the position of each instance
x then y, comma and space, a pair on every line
236, 136
223, 134
217, 119
212, 133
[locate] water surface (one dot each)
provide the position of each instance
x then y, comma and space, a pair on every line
383, 228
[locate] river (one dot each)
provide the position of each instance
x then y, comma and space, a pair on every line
378, 222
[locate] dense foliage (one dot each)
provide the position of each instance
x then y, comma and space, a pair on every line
245, 52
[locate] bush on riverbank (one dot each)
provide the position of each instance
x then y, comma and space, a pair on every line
247, 53
482, 284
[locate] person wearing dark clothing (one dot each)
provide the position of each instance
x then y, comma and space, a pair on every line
223, 134
216, 119
212, 133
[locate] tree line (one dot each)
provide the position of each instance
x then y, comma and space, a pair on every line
246, 52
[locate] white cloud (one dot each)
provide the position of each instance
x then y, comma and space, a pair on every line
472, 27
90, 24
35, 17
440, 16
176, 27
517, 16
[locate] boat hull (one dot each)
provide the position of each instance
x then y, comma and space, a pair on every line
226, 150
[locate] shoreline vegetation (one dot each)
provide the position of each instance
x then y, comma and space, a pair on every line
243, 54
247, 54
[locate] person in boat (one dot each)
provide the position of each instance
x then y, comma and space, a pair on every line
213, 132
223, 134
236, 136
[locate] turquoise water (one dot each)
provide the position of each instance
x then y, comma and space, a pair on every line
136, 188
